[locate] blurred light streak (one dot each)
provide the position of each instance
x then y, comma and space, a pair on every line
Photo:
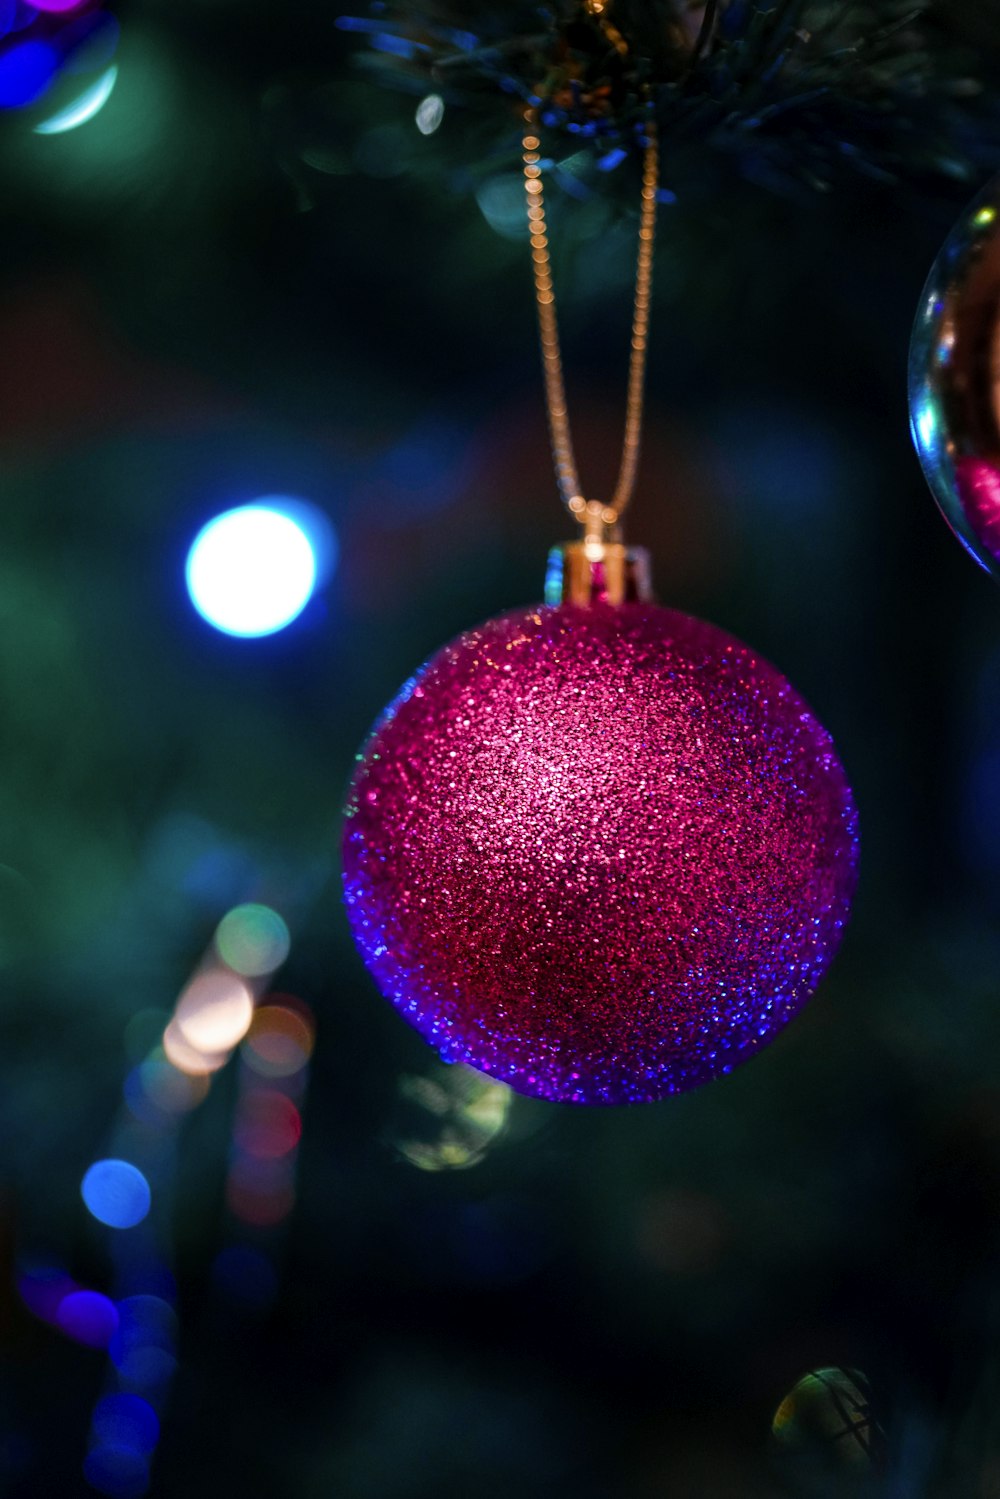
170, 1089
116, 1193
260, 1187
382, 40
259, 1203
611, 159
156, 1091
260, 1190
358, 23
251, 571
269, 1125
398, 46
89, 104
212, 1015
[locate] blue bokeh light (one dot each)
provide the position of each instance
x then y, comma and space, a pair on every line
116, 1193
26, 71
88, 1317
126, 1421
147, 1368
120, 1472
143, 1322
252, 570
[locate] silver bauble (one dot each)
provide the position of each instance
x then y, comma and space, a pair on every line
955, 379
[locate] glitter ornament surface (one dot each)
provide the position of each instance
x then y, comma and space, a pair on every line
955, 379
603, 854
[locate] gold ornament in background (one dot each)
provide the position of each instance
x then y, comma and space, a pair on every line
830, 1411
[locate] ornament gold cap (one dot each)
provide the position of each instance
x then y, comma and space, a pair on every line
592, 572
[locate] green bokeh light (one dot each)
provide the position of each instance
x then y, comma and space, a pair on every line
252, 940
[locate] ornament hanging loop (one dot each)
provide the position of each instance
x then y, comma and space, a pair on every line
599, 521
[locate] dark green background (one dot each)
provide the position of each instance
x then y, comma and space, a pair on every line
251, 274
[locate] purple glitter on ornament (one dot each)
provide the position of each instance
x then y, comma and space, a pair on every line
601, 854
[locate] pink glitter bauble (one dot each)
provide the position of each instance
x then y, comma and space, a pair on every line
602, 854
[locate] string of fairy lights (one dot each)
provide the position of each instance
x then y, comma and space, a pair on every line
447, 1120
250, 571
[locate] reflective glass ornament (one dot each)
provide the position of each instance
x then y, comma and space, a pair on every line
601, 853
955, 379
447, 1118
829, 1412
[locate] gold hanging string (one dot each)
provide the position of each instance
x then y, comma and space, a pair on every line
597, 518
599, 9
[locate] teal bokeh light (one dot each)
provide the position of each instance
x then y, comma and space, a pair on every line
85, 107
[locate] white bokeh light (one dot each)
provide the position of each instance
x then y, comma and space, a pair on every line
430, 113
252, 570
214, 1013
